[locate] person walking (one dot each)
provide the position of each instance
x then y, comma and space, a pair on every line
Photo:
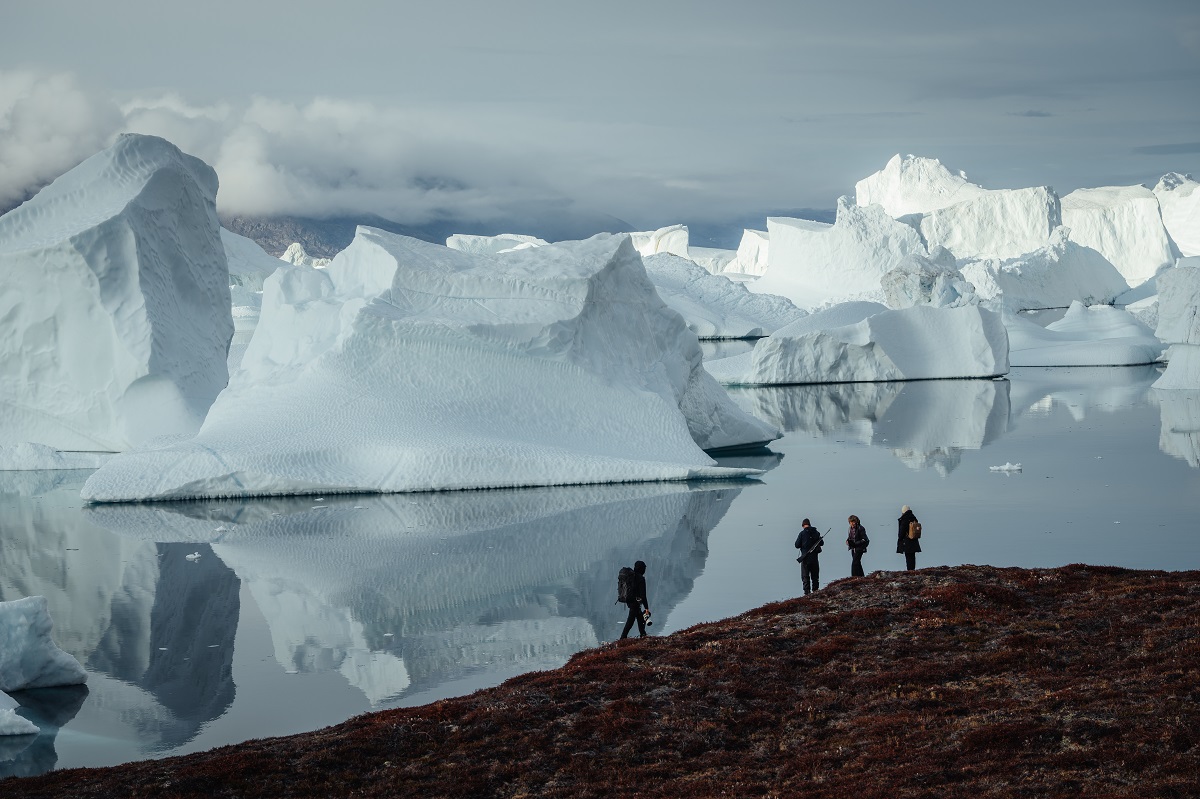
636, 600
908, 537
856, 542
809, 544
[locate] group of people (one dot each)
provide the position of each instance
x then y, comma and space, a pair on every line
810, 543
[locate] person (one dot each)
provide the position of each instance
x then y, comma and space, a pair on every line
908, 547
809, 544
856, 542
637, 600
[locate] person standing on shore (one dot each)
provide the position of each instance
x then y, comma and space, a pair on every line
636, 599
908, 537
809, 544
856, 542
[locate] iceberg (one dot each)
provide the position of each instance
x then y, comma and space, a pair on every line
712, 259
918, 343
1122, 223
915, 185
1099, 335
814, 263
1179, 204
249, 266
29, 657
672, 239
1002, 223
933, 281
752, 251
713, 306
409, 366
1052, 276
12, 724
491, 245
296, 255
114, 311
1179, 324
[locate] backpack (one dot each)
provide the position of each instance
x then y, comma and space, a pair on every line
625, 584
914, 529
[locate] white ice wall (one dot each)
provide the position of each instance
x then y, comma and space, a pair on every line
1122, 223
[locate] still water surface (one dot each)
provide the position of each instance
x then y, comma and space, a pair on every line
300, 613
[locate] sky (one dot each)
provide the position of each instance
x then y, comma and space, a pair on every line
653, 112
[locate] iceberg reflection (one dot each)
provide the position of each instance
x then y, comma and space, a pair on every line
1179, 435
926, 423
402, 593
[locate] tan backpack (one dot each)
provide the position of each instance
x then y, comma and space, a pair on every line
914, 529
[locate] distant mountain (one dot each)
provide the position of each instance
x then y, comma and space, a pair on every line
324, 238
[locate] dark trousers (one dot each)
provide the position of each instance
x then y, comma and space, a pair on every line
810, 573
635, 614
910, 560
856, 569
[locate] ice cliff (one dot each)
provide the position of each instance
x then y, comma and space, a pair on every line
114, 302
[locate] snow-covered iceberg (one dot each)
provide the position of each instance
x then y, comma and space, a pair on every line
29, 657
1099, 335
114, 316
1051, 276
249, 265
752, 252
408, 366
1179, 324
296, 255
714, 306
814, 263
915, 343
1002, 223
1179, 203
912, 184
491, 245
1122, 223
934, 281
672, 239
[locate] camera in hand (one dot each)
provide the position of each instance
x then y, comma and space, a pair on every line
646, 617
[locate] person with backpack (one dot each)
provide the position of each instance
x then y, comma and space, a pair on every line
809, 543
631, 589
908, 537
857, 542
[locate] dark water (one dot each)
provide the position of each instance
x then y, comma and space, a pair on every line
298, 614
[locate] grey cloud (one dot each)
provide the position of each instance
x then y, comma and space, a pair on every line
1187, 148
1031, 114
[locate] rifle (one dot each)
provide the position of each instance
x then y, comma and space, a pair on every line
817, 545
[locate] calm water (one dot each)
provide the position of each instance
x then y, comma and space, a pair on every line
300, 613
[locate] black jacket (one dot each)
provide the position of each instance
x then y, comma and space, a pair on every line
637, 592
809, 541
903, 542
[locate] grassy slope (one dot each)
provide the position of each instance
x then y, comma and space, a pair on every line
940, 682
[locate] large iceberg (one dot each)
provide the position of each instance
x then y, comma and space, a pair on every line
714, 306
915, 185
491, 245
1179, 324
672, 239
114, 302
29, 657
752, 253
1052, 276
408, 366
1179, 203
1122, 223
915, 343
814, 263
1003, 223
1099, 335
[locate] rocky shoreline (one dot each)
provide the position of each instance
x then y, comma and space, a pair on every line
945, 681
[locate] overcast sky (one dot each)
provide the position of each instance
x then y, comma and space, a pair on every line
655, 112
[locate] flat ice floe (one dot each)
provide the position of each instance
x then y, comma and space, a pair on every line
408, 366
714, 306
1086, 336
917, 343
120, 327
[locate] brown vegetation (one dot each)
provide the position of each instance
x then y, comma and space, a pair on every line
965, 681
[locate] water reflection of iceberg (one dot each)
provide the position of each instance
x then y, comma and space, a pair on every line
49, 709
125, 608
927, 423
402, 593
1036, 390
1179, 435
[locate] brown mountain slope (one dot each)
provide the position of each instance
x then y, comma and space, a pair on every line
966, 681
